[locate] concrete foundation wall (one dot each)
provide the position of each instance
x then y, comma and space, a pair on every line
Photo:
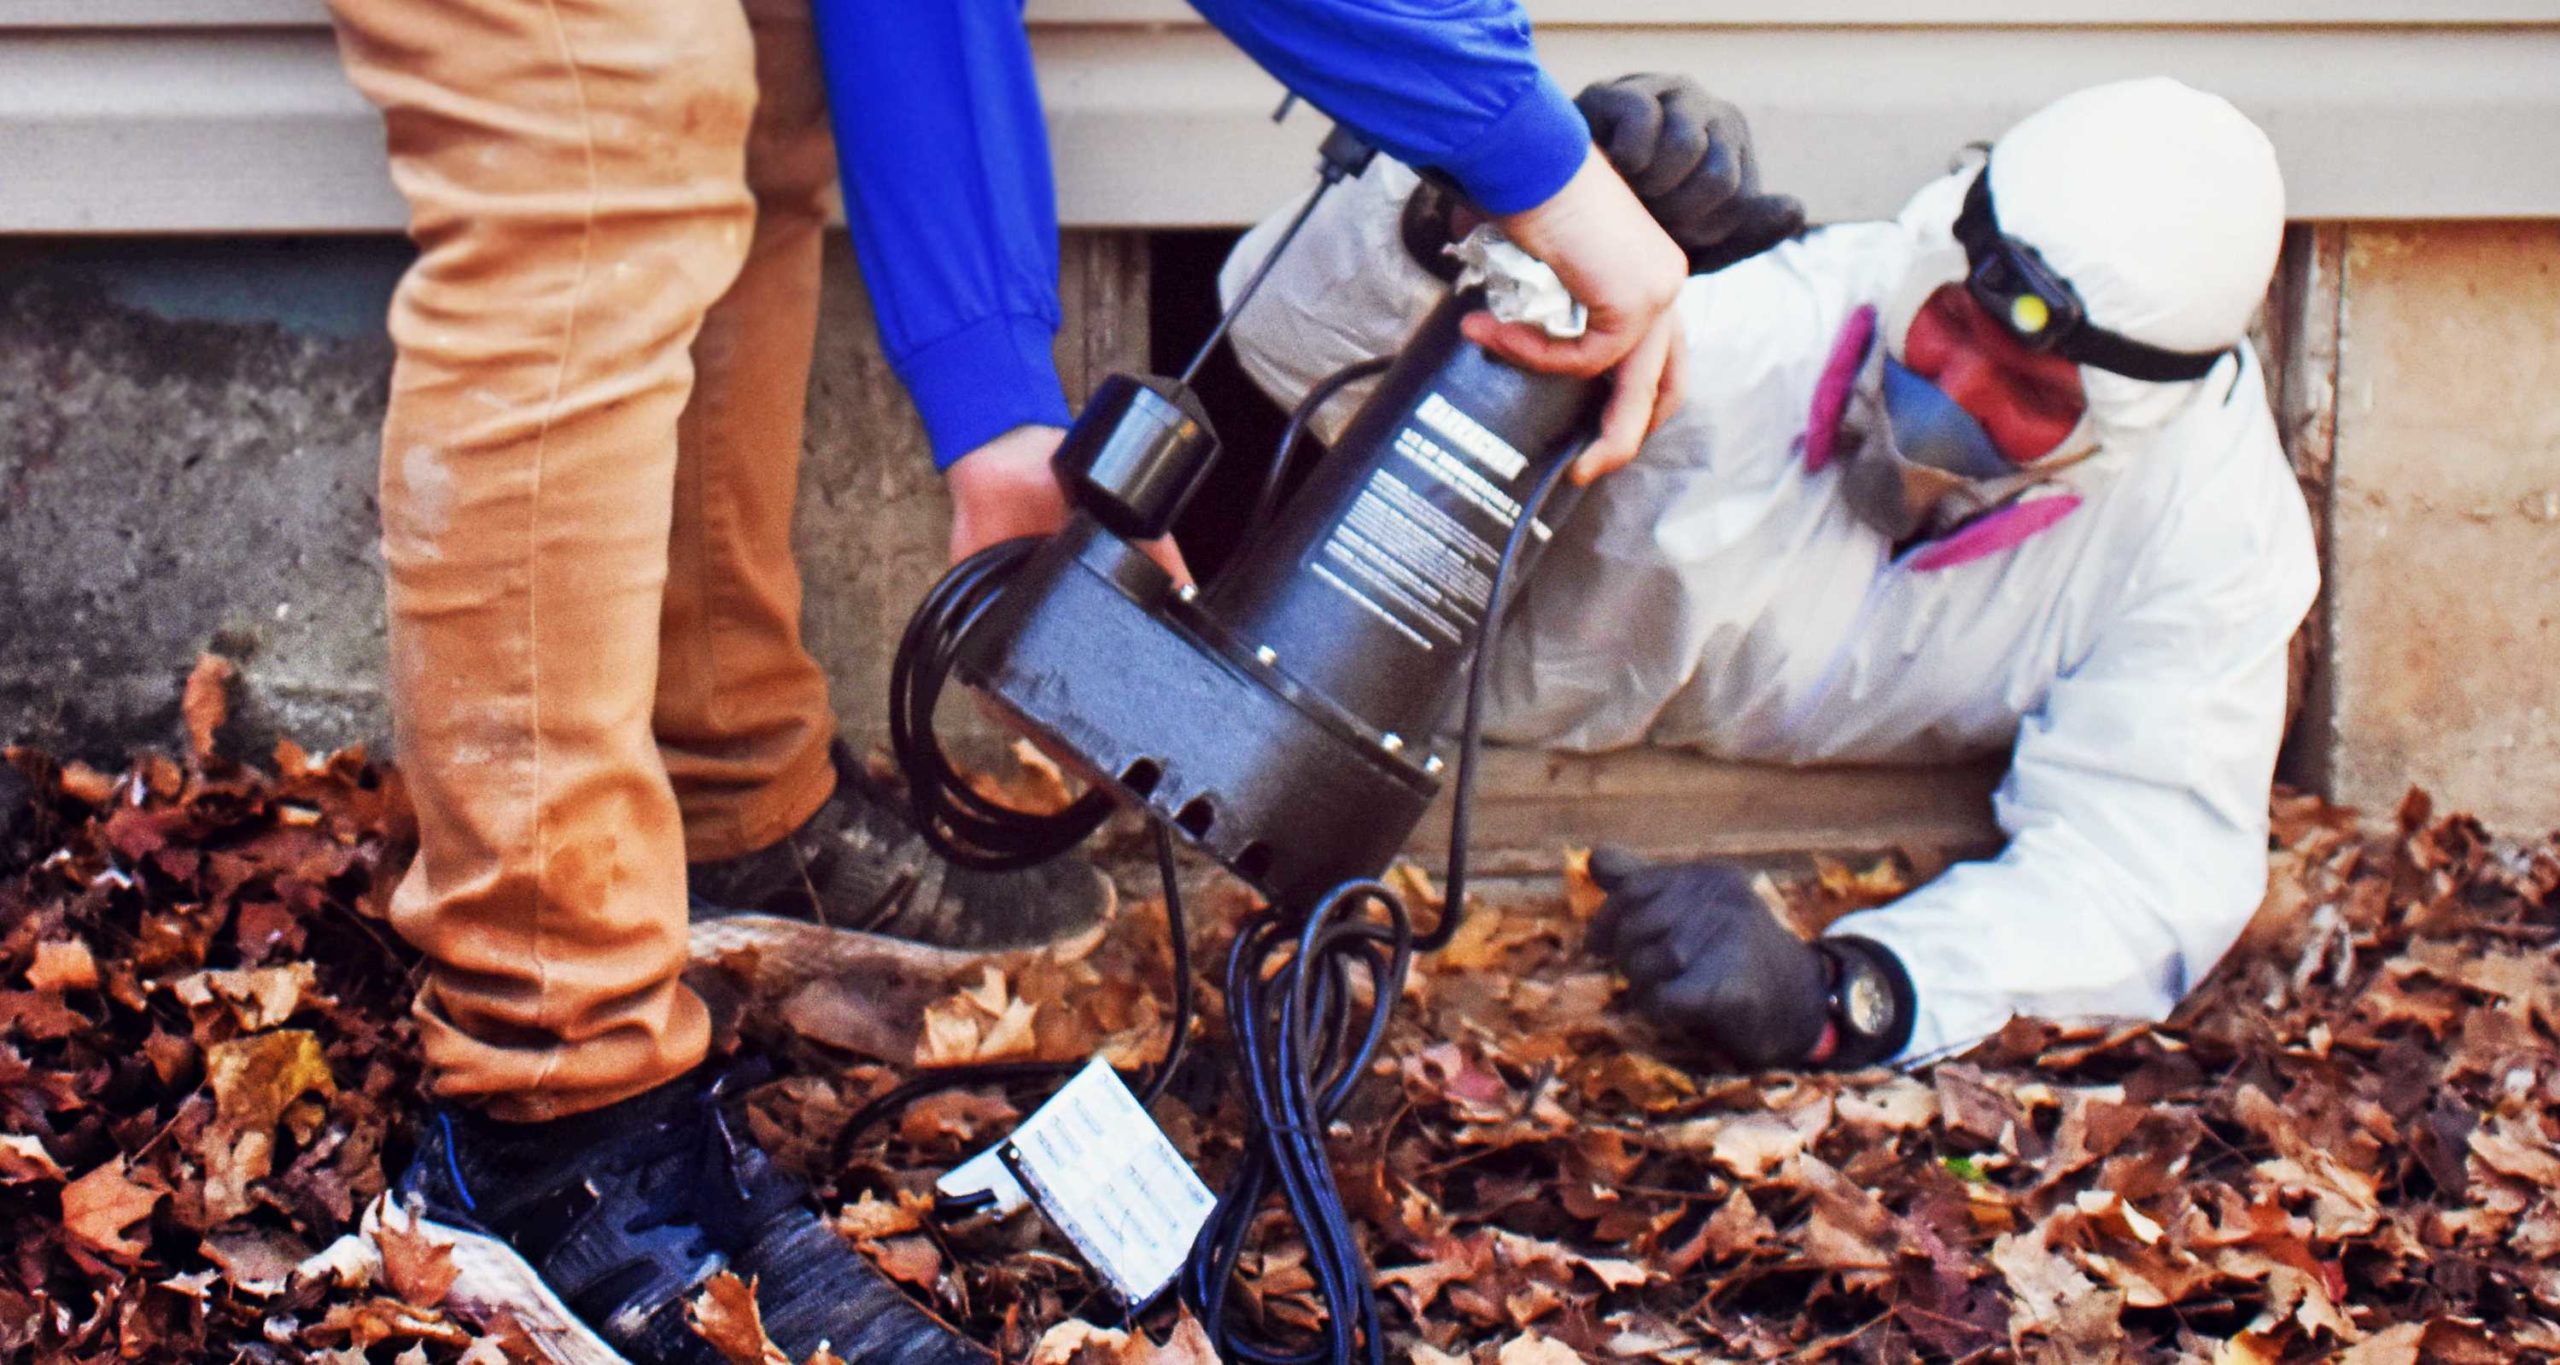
188, 445
2444, 545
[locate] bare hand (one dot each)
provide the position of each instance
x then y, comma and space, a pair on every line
1005, 489
1614, 258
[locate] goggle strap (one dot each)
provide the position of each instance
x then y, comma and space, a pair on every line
1977, 229
2101, 349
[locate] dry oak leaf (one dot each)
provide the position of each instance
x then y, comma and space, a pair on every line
1751, 1145
23, 1158
984, 1022
258, 997
259, 1261
1582, 894
725, 1315
1077, 1342
63, 965
205, 703
99, 1206
909, 1260
871, 1218
1529, 1348
2512, 1149
2042, 1283
418, 1265
1899, 1105
254, 1080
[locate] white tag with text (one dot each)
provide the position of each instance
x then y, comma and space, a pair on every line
1099, 1167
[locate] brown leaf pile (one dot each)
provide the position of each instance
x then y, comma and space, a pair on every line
203, 1055
2346, 1147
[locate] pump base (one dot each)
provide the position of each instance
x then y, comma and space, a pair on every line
1090, 647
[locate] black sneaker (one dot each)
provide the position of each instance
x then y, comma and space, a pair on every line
594, 1231
858, 864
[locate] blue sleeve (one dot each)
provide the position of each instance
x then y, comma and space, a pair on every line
948, 191
954, 215
1452, 85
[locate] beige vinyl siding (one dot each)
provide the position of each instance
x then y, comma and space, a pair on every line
121, 116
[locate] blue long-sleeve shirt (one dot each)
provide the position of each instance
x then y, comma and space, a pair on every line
954, 214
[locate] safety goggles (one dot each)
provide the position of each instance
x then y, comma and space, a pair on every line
2039, 307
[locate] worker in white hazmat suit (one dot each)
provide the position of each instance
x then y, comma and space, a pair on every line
1996, 475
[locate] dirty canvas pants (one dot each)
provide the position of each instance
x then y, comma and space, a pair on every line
587, 476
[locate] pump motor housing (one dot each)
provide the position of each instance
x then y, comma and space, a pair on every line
1286, 720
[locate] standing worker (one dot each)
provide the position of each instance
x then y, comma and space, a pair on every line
599, 691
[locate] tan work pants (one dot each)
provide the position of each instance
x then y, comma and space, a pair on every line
587, 479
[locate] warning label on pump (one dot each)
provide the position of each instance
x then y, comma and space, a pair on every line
1419, 545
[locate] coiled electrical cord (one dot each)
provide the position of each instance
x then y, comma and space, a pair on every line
1306, 1039
956, 821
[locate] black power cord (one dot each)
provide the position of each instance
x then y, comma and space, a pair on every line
956, 821
1306, 1038
1275, 480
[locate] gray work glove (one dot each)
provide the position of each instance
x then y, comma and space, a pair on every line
1688, 157
1706, 962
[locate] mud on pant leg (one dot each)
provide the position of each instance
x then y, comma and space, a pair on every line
742, 720
575, 176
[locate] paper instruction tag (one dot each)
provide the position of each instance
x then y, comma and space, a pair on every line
1095, 1162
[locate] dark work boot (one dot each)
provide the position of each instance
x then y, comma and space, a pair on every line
595, 1230
859, 864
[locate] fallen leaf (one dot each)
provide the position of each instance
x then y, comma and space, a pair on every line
63, 965
725, 1315
1529, 1348
1582, 895
417, 1264
205, 704
23, 1159
1077, 1342
98, 1207
256, 997
909, 1260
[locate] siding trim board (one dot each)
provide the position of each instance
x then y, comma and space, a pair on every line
174, 116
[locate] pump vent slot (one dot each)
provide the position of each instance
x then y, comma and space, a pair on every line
1141, 776
1196, 816
1253, 863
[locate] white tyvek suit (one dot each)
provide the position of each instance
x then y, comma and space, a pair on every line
1716, 594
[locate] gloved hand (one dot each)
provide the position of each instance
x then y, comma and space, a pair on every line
1708, 963
1688, 157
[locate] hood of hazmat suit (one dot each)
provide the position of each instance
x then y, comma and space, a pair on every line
2124, 641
